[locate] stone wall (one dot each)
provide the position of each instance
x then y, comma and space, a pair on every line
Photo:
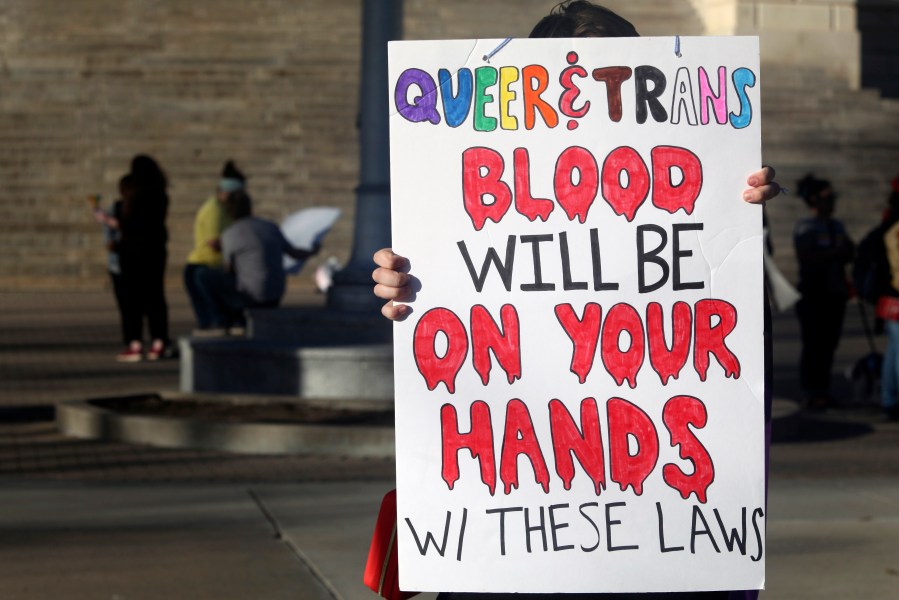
817, 34
86, 84
273, 84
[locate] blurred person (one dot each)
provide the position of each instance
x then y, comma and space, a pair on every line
142, 257
210, 221
823, 249
253, 274
112, 234
888, 303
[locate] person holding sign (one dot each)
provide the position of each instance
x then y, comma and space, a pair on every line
483, 365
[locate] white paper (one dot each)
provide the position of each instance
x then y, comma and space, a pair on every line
646, 537
306, 228
783, 294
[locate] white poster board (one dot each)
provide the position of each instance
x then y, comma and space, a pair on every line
579, 388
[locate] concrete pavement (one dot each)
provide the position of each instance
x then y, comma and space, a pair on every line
825, 540
144, 543
831, 539
84, 519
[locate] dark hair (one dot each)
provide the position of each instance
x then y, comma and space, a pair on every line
579, 18
147, 174
126, 185
891, 215
230, 171
239, 205
809, 188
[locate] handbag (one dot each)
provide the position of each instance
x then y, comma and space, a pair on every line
887, 308
382, 568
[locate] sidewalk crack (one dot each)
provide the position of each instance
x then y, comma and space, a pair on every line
294, 549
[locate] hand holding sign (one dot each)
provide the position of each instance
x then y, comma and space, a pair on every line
588, 328
392, 283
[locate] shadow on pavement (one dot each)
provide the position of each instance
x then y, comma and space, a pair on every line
806, 427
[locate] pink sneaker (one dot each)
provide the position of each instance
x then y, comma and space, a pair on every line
131, 354
156, 351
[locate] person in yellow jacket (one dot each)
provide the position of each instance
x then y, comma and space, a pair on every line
211, 220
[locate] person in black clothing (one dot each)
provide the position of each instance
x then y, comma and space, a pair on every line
823, 249
142, 255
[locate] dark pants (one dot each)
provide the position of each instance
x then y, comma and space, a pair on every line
821, 323
118, 289
143, 295
203, 305
220, 295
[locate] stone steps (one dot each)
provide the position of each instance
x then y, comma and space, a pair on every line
273, 84
847, 136
85, 86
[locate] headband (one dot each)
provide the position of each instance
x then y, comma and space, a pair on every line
230, 184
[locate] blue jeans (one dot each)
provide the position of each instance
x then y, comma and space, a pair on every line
203, 306
889, 377
215, 297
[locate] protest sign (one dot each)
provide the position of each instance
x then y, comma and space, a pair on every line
579, 388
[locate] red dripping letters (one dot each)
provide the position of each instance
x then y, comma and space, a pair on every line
624, 182
578, 444
714, 321
627, 423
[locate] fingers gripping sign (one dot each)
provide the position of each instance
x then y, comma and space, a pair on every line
392, 283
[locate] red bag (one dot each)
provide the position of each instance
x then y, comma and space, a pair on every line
381, 570
887, 308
